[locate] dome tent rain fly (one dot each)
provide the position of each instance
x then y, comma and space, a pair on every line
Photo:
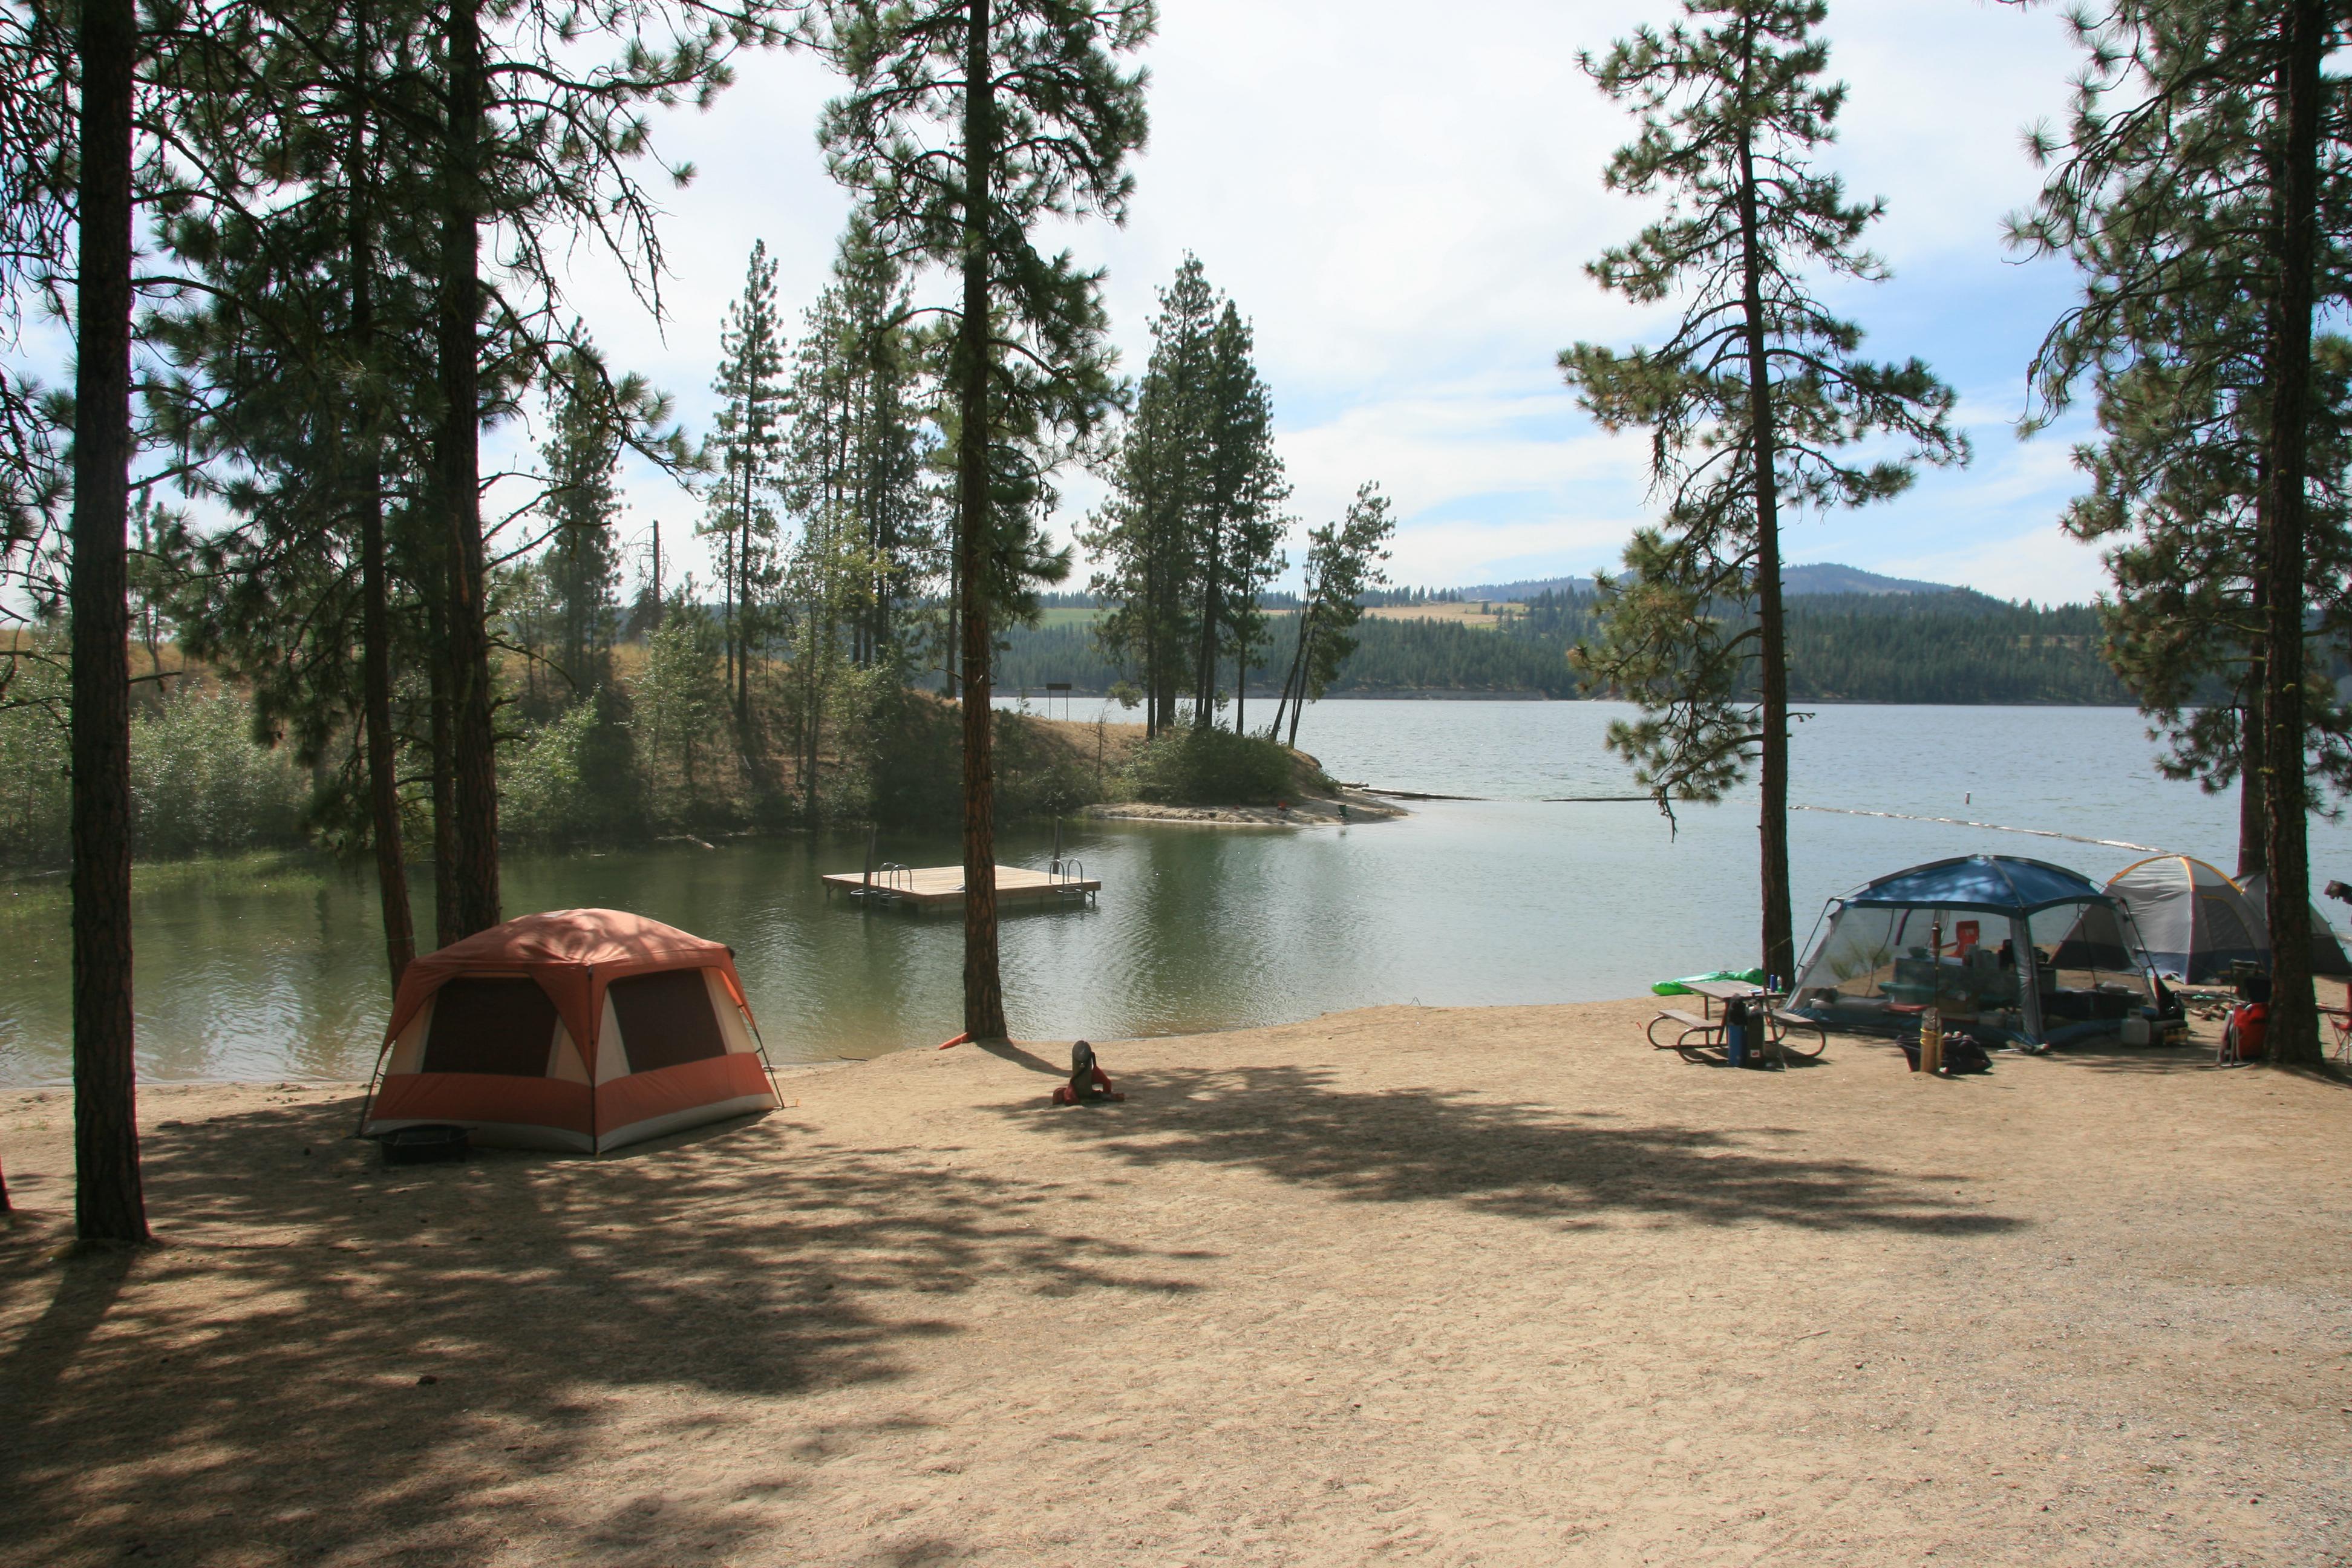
578, 1029
2196, 922
2027, 947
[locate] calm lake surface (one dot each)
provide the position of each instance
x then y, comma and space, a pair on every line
1515, 896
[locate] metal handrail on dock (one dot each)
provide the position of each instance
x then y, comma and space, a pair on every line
885, 884
1070, 879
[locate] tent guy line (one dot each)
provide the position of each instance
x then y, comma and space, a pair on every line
1988, 827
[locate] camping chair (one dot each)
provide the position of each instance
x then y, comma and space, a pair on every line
2339, 1020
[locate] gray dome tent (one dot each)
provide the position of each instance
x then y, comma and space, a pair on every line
2326, 953
2028, 950
2196, 922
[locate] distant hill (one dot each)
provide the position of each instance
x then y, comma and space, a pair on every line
1825, 577
1953, 647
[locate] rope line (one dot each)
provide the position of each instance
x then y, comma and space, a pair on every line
1988, 827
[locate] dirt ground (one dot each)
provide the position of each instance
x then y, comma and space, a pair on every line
1494, 1286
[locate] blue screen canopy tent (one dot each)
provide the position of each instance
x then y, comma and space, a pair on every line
2027, 949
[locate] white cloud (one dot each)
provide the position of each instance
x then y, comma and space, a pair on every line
1404, 205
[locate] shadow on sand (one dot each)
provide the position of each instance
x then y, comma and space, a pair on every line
329, 1360
1529, 1160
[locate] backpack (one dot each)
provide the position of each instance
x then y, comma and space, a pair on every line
1964, 1054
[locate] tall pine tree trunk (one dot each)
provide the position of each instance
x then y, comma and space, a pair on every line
2294, 1023
1294, 688
1204, 702
1780, 933
474, 795
109, 1205
375, 632
445, 787
2254, 804
983, 990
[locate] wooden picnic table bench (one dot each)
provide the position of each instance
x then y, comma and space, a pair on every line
1686, 1026
1778, 1022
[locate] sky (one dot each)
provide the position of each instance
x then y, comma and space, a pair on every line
1404, 201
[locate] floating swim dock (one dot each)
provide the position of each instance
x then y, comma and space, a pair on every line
927, 888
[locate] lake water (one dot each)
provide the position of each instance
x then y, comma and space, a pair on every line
1511, 897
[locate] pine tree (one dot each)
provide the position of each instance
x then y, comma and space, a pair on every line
1342, 567
1149, 536
582, 562
1242, 530
892, 441
968, 126
1749, 401
749, 436
2193, 185
109, 1204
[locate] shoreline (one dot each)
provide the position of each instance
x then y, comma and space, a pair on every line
1351, 804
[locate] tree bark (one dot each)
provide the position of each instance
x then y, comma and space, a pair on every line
473, 740
983, 990
376, 631
1205, 686
445, 790
2252, 818
109, 1205
1780, 945
2294, 1036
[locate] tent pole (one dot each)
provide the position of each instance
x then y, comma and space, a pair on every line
2029, 978
368, 1099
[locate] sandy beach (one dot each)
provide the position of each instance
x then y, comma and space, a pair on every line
1492, 1286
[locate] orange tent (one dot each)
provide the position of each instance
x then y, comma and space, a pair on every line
580, 1029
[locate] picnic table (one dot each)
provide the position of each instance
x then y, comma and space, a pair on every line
1697, 1030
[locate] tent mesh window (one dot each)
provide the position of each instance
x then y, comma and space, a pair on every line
665, 1019
491, 1026
2091, 972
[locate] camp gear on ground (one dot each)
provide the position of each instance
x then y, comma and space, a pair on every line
2245, 1035
1965, 1054
1960, 1054
2031, 948
579, 1029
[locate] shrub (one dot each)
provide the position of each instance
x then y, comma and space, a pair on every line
201, 785
1211, 767
541, 779
34, 805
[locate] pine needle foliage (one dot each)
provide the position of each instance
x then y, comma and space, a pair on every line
1754, 403
2200, 184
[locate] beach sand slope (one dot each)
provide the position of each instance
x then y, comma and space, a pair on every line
1497, 1285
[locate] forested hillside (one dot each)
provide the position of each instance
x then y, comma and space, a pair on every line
1956, 647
